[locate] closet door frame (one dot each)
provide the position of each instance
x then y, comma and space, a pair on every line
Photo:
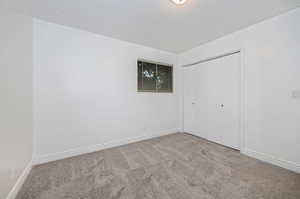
242, 86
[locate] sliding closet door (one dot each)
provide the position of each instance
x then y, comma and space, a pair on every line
212, 100
190, 98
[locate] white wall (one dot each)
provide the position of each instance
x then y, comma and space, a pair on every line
16, 133
272, 73
85, 92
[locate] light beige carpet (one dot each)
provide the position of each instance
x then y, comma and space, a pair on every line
178, 166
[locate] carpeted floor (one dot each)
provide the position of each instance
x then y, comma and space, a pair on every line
178, 166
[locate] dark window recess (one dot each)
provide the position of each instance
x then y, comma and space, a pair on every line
154, 77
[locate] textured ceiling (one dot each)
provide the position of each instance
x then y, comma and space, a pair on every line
159, 23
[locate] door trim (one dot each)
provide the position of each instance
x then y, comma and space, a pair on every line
212, 58
242, 114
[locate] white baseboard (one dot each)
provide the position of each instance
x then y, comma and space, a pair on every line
272, 160
98, 147
16, 188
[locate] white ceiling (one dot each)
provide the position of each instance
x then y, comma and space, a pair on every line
159, 23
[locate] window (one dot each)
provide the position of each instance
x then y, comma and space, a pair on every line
155, 77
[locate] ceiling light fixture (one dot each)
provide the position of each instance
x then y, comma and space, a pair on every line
179, 2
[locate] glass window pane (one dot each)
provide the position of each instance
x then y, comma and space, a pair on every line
149, 77
140, 75
164, 78
154, 77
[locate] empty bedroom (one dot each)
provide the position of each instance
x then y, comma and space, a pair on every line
149, 99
